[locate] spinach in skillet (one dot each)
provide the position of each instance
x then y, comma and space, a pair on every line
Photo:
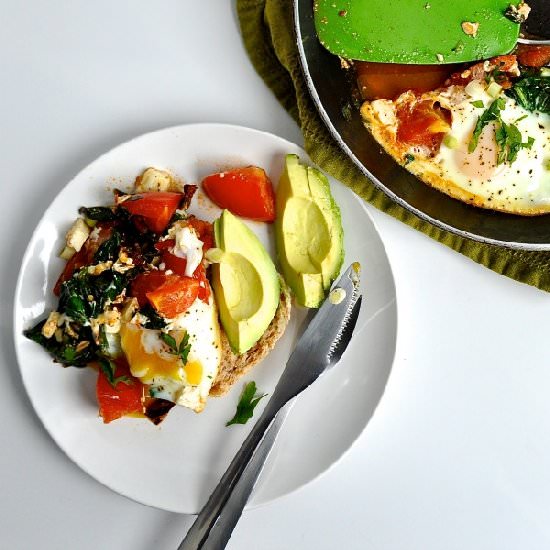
532, 93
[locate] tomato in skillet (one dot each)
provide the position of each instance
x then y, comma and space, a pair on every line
533, 56
246, 192
422, 123
155, 208
124, 399
388, 80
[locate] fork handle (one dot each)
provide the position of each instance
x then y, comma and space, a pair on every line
198, 533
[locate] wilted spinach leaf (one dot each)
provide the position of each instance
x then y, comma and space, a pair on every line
532, 93
108, 251
65, 352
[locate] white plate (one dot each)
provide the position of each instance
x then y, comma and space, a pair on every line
175, 466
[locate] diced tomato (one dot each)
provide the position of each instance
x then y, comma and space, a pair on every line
165, 245
174, 296
204, 284
178, 266
422, 123
144, 283
122, 400
389, 80
85, 255
175, 263
246, 192
155, 208
533, 56
205, 231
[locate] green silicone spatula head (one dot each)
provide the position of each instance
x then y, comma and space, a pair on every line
415, 31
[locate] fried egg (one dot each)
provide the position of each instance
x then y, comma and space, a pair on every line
153, 362
520, 187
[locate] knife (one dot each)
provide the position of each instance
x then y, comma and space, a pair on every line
320, 347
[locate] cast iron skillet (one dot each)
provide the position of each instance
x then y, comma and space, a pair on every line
331, 91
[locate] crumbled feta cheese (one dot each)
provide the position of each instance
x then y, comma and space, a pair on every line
188, 246
153, 179
77, 234
470, 28
519, 13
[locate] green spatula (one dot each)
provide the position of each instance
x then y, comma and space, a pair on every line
415, 31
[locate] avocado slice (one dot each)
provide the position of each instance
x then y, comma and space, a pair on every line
245, 283
308, 232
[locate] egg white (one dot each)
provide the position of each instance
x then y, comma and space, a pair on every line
155, 364
522, 185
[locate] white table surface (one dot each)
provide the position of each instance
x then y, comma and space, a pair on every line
457, 455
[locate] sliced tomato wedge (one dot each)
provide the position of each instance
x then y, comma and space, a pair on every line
121, 400
155, 208
174, 296
85, 255
246, 192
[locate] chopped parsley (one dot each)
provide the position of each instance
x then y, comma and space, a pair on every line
509, 140
182, 350
477, 103
247, 402
508, 136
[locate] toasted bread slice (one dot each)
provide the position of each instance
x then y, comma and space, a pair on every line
234, 366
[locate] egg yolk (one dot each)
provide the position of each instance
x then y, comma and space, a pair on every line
145, 365
193, 372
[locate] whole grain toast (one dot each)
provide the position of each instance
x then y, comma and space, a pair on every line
234, 366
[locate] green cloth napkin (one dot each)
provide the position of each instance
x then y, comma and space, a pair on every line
267, 28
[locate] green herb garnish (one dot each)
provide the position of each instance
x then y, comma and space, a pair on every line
182, 350
477, 103
509, 140
491, 114
408, 158
507, 136
245, 407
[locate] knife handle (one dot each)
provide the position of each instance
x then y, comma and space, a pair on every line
197, 535
232, 510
